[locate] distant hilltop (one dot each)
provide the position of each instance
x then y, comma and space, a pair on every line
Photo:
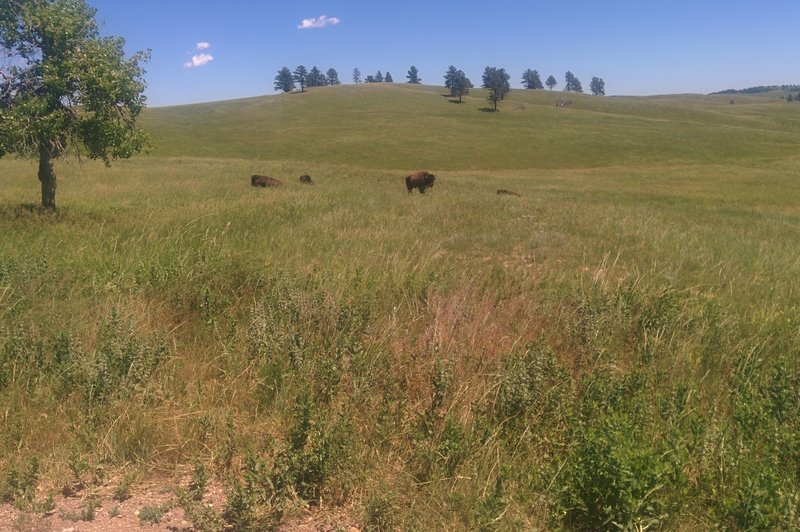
762, 88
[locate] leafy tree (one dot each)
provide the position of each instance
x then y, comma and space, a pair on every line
301, 77
497, 81
531, 80
379, 77
573, 84
388, 78
66, 88
370, 79
284, 81
413, 75
598, 86
315, 78
460, 84
333, 77
356, 75
551, 82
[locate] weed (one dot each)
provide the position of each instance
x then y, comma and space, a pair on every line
153, 514
204, 518
20, 486
316, 446
123, 490
490, 508
381, 510
197, 484
256, 502
533, 388
87, 513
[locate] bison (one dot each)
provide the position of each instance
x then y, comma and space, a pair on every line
306, 179
420, 180
503, 191
264, 181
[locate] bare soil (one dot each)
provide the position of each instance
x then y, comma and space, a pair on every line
113, 515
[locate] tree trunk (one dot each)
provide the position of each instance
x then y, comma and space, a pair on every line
47, 177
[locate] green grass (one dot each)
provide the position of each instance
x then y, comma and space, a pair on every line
619, 344
400, 126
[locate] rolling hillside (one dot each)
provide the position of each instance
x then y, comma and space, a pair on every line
400, 126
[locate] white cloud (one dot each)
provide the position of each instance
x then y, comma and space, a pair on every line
199, 60
319, 22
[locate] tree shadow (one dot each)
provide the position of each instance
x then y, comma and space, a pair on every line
28, 211
488, 110
455, 101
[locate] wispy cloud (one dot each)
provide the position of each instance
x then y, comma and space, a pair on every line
318, 22
199, 59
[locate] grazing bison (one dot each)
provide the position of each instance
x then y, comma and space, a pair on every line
420, 180
264, 181
503, 191
305, 178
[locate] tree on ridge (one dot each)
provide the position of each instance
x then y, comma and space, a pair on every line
333, 77
284, 81
301, 76
572, 84
598, 86
531, 80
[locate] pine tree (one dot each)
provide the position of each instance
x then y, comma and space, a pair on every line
598, 86
497, 81
573, 84
315, 78
333, 77
301, 77
460, 84
284, 81
531, 80
413, 75
449, 76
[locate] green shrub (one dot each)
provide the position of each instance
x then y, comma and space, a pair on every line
534, 388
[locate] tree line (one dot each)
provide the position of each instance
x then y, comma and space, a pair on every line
760, 89
494, 79
287, 80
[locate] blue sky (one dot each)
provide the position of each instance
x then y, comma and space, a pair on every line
638, 47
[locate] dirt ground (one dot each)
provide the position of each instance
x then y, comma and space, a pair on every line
113, 515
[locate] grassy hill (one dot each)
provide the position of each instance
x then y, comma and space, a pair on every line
617, 345
404, 126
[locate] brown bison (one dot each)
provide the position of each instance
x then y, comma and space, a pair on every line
264, 181
503, 191
305, 178
420, 180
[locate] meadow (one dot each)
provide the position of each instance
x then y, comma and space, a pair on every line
617, 347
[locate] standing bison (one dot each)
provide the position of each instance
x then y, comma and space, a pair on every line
264, 181
420, 180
